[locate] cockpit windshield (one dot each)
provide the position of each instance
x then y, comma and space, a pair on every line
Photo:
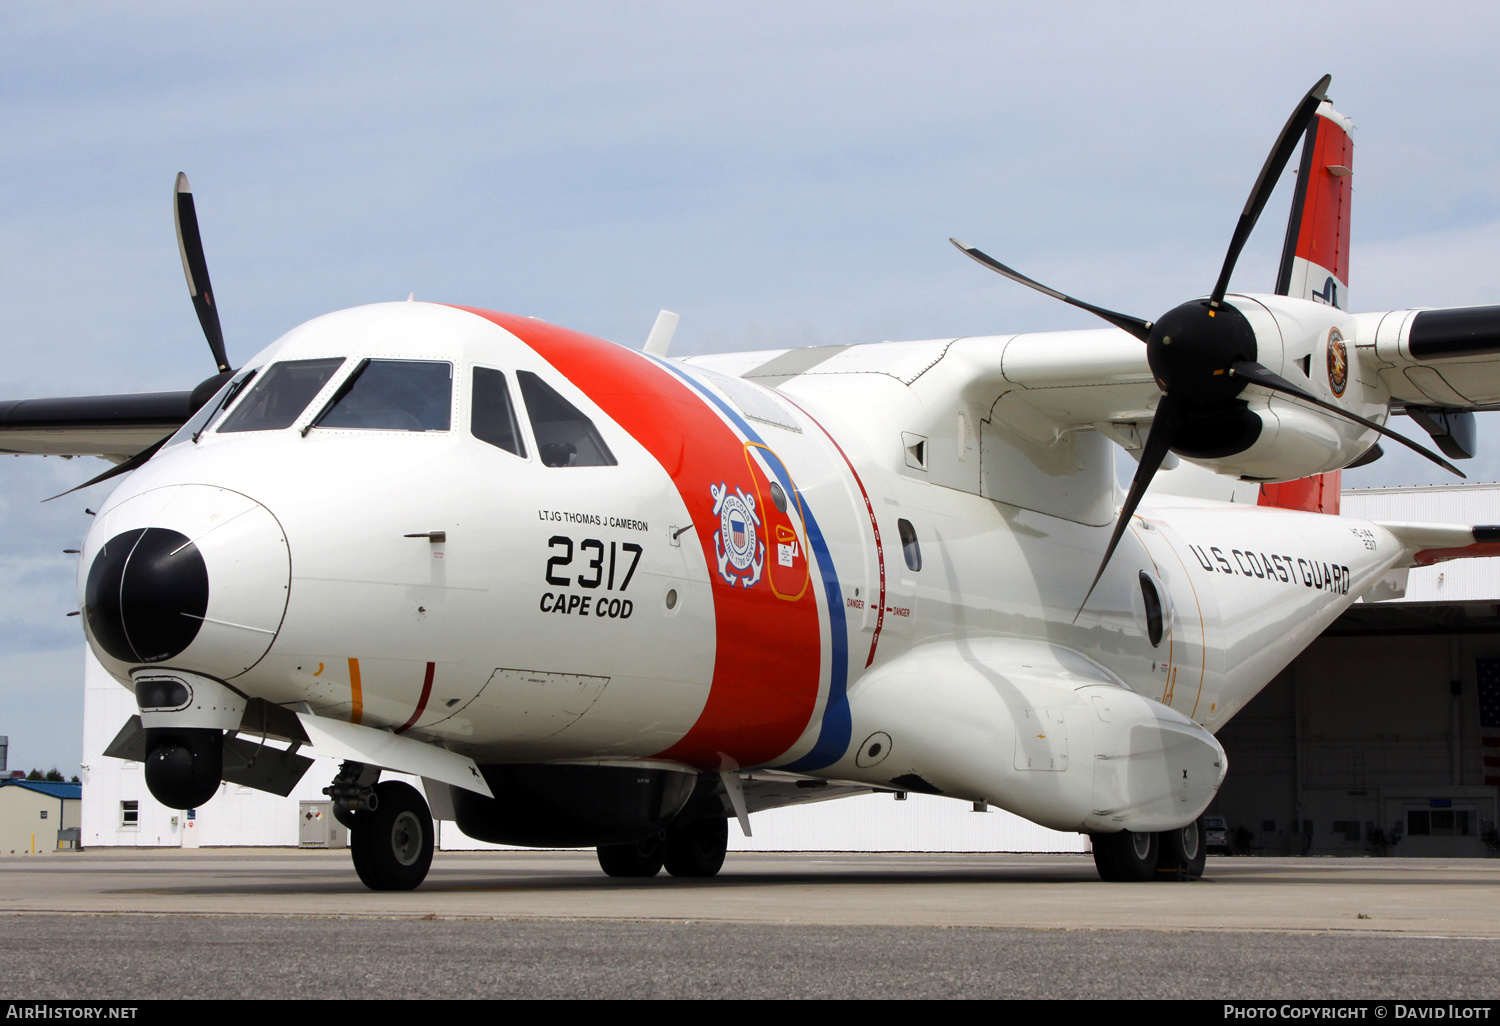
393, 395
280, 396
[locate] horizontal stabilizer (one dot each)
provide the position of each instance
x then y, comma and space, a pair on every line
1435, 543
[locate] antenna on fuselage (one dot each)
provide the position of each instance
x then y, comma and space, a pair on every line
661, 334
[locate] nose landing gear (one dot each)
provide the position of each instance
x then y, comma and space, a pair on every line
390, 827
392, 845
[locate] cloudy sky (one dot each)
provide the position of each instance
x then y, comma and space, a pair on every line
778, 173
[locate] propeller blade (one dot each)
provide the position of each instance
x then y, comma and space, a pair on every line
1137, 327
136, 461
1260, 375
1269, 175
1158, 443
190, 244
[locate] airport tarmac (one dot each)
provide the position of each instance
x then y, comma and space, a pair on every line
293, 923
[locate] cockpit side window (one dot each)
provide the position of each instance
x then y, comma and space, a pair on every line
200, 421
280, 396
393, 395
564, 436
492, 417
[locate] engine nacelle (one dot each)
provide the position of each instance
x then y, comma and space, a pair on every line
1280, 439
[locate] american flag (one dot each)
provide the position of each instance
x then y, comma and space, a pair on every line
1488, 673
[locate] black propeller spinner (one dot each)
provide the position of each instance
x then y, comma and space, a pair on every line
1203, 353
195, 266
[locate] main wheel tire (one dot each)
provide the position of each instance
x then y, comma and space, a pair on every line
1183, 852
1127, 856
642, 859
392, 844
697, 848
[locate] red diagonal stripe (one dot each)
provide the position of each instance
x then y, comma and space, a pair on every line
421, 702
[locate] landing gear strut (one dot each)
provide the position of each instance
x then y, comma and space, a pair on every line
392, 842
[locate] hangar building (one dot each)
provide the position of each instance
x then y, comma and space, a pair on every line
38, 816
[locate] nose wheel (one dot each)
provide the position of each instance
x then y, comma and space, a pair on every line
392, 843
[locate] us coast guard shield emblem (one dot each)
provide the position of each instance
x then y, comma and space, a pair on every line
741, 554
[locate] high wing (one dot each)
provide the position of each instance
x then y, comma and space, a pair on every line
1446, 358
114, 427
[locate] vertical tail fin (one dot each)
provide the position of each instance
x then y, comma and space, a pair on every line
1315, 265
1315, 256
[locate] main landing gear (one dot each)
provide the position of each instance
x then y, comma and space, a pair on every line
693, 849
390, 828
1128, 856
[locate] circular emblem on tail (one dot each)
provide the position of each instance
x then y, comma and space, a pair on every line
1338, 362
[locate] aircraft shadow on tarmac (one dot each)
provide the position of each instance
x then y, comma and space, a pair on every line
474, 875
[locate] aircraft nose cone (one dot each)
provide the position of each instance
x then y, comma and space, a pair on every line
145, 594
194, 574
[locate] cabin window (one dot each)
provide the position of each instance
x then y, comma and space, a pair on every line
1154, 618
564, 436
130, 814
280, 396
393, 395
492, 417
909, 546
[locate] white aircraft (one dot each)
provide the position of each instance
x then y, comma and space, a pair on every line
595, 596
